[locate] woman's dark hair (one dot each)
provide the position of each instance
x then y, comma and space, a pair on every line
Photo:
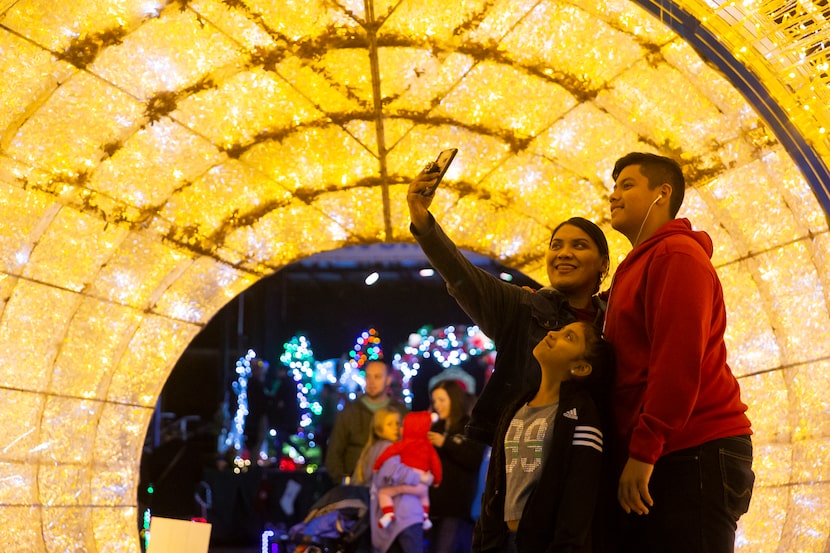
595, 234
458, 399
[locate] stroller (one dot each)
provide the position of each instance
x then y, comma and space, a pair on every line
338, 522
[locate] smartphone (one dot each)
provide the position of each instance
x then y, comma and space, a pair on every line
439, 167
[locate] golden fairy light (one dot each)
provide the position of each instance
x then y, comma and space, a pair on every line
157, 158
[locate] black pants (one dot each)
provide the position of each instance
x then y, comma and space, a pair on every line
699, 494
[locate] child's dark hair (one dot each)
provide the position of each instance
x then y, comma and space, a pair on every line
600, 355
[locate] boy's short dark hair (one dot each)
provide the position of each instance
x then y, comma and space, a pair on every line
658, 170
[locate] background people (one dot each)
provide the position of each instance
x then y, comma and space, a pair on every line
515, 319
329, 398
452, 501
546, 460
405, 534
385, 430
351, 428
687, 477
415, 451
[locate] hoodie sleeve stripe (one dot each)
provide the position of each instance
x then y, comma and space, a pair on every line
589, 436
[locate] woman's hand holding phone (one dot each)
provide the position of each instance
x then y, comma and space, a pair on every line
438, 168
422, 189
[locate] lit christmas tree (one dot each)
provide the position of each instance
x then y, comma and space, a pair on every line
366, 348
232, 437
298, 358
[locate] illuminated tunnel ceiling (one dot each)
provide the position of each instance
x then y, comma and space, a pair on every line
156, 159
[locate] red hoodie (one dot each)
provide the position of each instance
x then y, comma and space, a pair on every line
414, 447
666, 319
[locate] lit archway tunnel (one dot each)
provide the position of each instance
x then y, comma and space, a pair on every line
157, 158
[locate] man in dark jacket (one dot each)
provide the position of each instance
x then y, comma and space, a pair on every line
353, 423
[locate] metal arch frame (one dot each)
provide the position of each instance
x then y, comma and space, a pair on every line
812, 165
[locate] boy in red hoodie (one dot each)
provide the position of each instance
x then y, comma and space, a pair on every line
682, 430
415, 451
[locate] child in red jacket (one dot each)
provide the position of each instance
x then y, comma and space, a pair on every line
415, 451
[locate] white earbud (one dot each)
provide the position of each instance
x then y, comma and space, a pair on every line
658, 198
